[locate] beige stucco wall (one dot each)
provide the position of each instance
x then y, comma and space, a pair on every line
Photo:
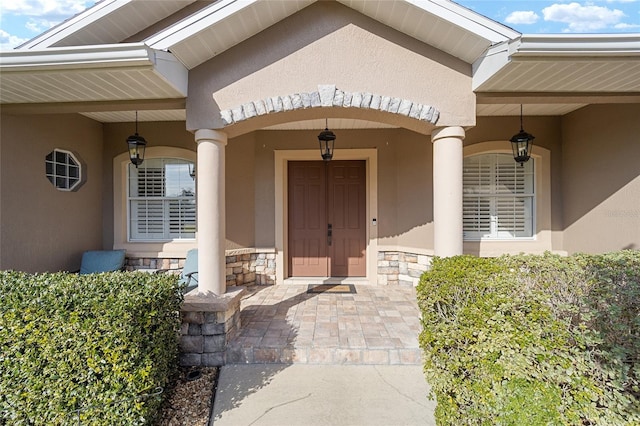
328, 43
601, 178
403, 181
43, 229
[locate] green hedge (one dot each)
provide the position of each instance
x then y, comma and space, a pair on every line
88, 344
535, 340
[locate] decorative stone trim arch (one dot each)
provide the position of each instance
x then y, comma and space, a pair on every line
329, 96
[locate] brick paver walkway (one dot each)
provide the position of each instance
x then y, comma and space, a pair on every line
284, 324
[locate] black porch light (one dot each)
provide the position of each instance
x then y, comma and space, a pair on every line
326, 139
136, 145
522, 144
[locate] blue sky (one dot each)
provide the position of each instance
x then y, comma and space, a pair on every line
21, 20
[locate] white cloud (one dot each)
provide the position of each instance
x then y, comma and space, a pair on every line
45, 8
583, 18
8, 41
623, 26
522, 17
39, 25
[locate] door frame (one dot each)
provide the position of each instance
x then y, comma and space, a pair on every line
281, 159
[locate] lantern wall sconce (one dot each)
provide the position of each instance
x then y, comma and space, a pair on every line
521, 144
327, 140
137, 145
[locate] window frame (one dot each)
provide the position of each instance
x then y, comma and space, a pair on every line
163, 199
495, 234
546, 236
54, 177
120, 219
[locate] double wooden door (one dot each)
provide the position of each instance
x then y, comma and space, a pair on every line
327, 218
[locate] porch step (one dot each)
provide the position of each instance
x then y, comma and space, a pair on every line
285, 324
236, 354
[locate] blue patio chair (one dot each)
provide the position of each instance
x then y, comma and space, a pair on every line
96, 261
189, 275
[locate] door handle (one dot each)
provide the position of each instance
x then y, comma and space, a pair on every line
329, 233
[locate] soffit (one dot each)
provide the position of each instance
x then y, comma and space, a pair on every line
566, 75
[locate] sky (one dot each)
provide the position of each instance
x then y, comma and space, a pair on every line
21, 20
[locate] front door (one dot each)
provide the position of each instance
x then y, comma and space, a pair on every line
327, 218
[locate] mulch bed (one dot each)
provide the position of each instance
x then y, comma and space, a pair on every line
189, 401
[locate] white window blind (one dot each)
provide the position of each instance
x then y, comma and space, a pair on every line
498, 197
162, 204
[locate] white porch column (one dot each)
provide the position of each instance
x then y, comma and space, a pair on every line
447, 190
211, 211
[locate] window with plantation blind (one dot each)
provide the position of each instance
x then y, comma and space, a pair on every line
161, 200
498, 197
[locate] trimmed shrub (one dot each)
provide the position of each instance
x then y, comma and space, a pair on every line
85, 347
535, 340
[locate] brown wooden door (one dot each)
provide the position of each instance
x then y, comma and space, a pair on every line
327, 228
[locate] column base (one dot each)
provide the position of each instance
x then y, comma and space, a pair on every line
209, 322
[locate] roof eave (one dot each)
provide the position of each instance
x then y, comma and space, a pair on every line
541, 47
77, 57
81, 20
492, 31
585, 45
128, 57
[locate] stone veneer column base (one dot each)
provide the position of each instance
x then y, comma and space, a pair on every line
209, 322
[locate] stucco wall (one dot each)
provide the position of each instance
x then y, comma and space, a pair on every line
328, 43
43, 229
404, 181
240, 193
601, 178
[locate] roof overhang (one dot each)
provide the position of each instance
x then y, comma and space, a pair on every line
443, 24
107, 22
578, 64
116, 72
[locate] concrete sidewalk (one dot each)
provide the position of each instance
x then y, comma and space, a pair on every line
314, 395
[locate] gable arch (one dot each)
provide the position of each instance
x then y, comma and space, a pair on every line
329, 101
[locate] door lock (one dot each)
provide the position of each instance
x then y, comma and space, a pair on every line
329, 233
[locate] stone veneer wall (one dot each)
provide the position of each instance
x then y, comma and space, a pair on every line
244, 267
250, 267
401, 268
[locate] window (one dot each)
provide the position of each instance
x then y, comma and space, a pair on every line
498, 198
63, 170
162, 203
